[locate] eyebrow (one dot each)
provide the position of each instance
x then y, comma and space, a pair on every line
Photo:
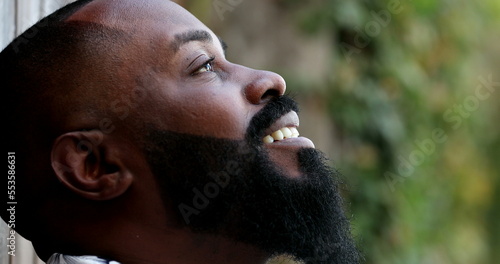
194, 35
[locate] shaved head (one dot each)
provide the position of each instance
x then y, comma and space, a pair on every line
66, 76
34, 72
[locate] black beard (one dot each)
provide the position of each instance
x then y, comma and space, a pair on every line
231, 188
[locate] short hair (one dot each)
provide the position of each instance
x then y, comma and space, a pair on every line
37, 70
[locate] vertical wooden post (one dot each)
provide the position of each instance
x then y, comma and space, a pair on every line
8, 25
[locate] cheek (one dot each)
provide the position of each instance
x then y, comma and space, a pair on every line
214, 118
207, 114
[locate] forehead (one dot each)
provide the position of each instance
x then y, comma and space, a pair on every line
144, 19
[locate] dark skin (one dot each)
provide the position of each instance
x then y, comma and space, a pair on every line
196, 91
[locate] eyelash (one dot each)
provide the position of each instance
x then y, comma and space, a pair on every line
208, 63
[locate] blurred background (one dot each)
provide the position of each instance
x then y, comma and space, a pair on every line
403, 96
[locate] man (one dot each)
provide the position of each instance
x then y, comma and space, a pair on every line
136, 141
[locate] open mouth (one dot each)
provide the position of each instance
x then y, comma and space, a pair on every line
284, 132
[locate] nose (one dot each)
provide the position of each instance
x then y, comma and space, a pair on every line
263, 86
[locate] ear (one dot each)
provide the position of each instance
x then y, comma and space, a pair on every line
91, 164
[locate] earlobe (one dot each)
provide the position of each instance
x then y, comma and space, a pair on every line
91, 165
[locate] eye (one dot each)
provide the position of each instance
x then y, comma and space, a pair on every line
206, 67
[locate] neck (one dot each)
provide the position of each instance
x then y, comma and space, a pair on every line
130, 245
135, 230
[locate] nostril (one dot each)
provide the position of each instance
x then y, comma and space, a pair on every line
270, 94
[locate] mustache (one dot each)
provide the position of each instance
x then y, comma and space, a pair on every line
275, 108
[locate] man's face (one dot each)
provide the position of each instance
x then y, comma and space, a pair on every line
193, 89
206, 120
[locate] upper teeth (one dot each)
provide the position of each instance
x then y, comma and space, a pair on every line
282, 133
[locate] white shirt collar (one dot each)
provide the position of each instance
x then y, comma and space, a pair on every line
66, 259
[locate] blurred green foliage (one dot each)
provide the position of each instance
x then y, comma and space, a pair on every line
404, 71
419, 72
